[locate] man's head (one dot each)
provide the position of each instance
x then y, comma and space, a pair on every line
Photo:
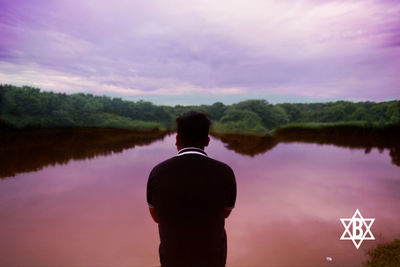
192, 127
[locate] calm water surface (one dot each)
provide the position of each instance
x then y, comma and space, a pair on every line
92, 212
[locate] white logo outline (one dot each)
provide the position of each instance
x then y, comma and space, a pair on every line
353, 220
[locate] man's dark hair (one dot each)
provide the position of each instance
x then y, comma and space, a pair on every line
193, 127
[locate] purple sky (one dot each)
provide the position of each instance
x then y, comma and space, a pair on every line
194, 52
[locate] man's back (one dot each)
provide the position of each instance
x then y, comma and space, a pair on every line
190, 193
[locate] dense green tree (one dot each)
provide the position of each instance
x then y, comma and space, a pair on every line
216, 111
235, 120
270, 117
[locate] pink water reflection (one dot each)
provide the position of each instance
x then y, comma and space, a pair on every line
290, 199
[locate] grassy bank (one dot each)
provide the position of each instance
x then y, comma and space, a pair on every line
95, 121
384, 255
356, 128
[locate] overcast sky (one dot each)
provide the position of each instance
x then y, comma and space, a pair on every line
200, 52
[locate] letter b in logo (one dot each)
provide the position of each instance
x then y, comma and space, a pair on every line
357, 228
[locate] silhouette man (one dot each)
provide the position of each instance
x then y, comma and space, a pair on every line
189, 196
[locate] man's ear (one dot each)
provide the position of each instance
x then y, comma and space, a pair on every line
208, 141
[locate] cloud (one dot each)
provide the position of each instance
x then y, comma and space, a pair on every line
317, 49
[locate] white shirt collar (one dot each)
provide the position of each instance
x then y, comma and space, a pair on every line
192, 150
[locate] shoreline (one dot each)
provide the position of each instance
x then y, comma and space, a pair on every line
340, 129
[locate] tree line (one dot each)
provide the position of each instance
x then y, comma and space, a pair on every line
24, 107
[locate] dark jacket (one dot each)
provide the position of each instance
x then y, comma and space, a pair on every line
190, 193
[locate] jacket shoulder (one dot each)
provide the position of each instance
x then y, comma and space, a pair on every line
221, 164
173, 161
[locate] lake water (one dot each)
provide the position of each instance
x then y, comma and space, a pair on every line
81, 202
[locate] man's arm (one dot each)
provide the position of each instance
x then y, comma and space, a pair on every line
231, 186
227, 212
149, 189
153, 214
